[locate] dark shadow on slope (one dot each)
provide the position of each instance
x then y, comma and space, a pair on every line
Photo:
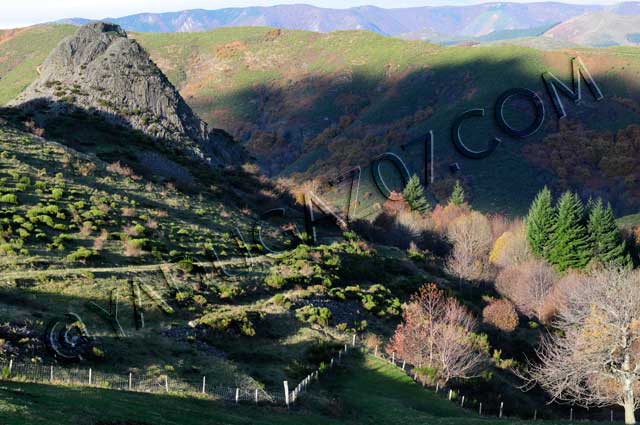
321, 125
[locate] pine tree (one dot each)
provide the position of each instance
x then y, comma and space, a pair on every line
457, 196
413, 193
540, 221
569, 244
607, 244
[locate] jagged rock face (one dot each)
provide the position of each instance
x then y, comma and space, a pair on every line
100, 69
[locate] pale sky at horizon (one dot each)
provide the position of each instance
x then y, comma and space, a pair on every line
15, 14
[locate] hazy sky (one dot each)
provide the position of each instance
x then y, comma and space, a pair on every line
16, 13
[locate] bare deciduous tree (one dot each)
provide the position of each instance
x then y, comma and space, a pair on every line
472, 238
437, 333
527, 286
595, 359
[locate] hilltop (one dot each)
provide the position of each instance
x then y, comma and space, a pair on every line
100, 70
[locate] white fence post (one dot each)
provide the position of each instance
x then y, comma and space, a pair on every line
204, 385
130, 381
480, 409
51, 374
501, 406
571, 414
256, 396
450, 394
353, 342
166, 383
462, 402
286, 393
393, 357
10, 366
237, 395
404, 363
375, 352
90, 376
535, 415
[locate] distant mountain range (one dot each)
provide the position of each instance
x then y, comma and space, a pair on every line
446, 24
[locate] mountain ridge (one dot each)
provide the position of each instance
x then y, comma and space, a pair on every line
473, 20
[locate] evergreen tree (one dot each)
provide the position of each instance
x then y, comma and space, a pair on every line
413, 193
540, 221
607, 244
569, 244
457, 196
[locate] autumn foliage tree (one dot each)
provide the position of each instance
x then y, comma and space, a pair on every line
501, 314
594, 359
527, 286
437, 335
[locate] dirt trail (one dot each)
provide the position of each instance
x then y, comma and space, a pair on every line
118, 269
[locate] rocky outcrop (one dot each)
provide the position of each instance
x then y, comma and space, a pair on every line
100, 69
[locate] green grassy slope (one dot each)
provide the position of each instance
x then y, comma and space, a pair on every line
22, 52
311, 105
372, 392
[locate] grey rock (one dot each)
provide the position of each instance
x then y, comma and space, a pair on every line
101, 69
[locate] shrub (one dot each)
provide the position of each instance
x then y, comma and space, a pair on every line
9, 198
230, 321
501, 314
311, 314
81, 254
98, 243
57, 194
134, 247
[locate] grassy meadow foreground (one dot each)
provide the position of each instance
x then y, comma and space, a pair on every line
364, 391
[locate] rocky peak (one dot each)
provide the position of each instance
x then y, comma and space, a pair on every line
100, 69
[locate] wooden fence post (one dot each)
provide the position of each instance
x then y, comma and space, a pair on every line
286, 393
403, 364
393, 357
611, 415
375, 352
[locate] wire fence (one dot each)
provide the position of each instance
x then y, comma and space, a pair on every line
498, 408
87, 377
